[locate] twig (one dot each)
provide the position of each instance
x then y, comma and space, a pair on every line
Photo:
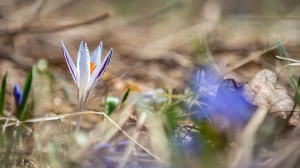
35, 30
251, 57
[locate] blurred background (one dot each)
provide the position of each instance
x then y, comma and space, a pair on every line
158, 48
155, 42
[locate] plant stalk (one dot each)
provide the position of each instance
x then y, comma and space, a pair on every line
81, 102
80, 109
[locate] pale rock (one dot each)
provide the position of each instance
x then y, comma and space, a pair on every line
262, 90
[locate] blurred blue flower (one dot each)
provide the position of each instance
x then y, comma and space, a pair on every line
109, 154
230, 108
217, 100
190, 146
204, 83
205, 80
18, 95
122, 145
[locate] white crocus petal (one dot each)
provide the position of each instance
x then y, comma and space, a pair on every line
81, 48
83, 66
96, 56
70, 63
99, 71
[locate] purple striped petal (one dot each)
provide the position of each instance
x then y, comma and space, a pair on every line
99, 71
70, 63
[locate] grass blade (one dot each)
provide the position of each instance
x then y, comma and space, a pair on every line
297, 93
2, 94
26, 93
125, 96
283, 53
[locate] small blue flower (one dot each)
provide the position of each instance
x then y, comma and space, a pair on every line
204, 83
18, 95
230, 107
219, 101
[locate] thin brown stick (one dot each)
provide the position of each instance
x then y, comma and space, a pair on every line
35, 30
251, 58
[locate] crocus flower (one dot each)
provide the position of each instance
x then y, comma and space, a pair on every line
18, 95
88, 72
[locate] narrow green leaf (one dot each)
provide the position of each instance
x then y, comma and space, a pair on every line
125, 96
111, 104
26, 94
283, 53
2, 94
297, 93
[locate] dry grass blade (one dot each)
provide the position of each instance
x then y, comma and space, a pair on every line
130, 147
83, 113
294, 63
251, 57
287, 59
242, 154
